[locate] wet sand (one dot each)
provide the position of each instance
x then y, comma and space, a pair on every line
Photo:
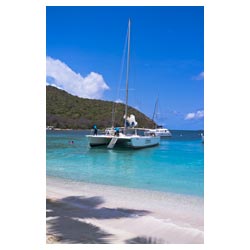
78, 212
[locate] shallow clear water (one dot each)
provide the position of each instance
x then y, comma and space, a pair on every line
176, 165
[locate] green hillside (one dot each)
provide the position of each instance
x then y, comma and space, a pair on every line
66, 111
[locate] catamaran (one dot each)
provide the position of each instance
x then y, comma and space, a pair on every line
127, 135
159, 130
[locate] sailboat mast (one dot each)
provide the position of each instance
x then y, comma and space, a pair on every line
155, 109
113, 115
127, 75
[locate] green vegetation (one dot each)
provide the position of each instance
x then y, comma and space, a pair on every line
66, 111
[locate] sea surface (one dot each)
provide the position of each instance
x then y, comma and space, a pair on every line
175, 166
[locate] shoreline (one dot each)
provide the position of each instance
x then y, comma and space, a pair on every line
139, 189
79, 212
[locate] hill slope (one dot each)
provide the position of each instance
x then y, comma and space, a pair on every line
67, 111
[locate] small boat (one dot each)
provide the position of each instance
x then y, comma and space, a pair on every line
162, 132
127, 136
50, 128
159, 130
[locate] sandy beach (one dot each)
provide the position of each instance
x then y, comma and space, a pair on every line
89, 213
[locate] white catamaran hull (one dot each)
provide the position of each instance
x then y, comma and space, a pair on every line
130, 141
143, 142
163, 133
98, 140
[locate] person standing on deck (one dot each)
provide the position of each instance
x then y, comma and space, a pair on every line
95, 129
117, 131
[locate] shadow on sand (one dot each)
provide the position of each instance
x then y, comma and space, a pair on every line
64, 219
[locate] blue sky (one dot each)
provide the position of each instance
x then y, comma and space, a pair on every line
84, 48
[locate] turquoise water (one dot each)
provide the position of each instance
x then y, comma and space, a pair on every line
176, 165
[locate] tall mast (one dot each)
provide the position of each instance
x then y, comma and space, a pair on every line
113, 115
127, 76
155, 109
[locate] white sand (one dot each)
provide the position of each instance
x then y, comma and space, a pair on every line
90, 213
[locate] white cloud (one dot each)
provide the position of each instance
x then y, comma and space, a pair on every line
119, 101
60, 75
190, 116
195, 115
200, 114
53, 85
199, 77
